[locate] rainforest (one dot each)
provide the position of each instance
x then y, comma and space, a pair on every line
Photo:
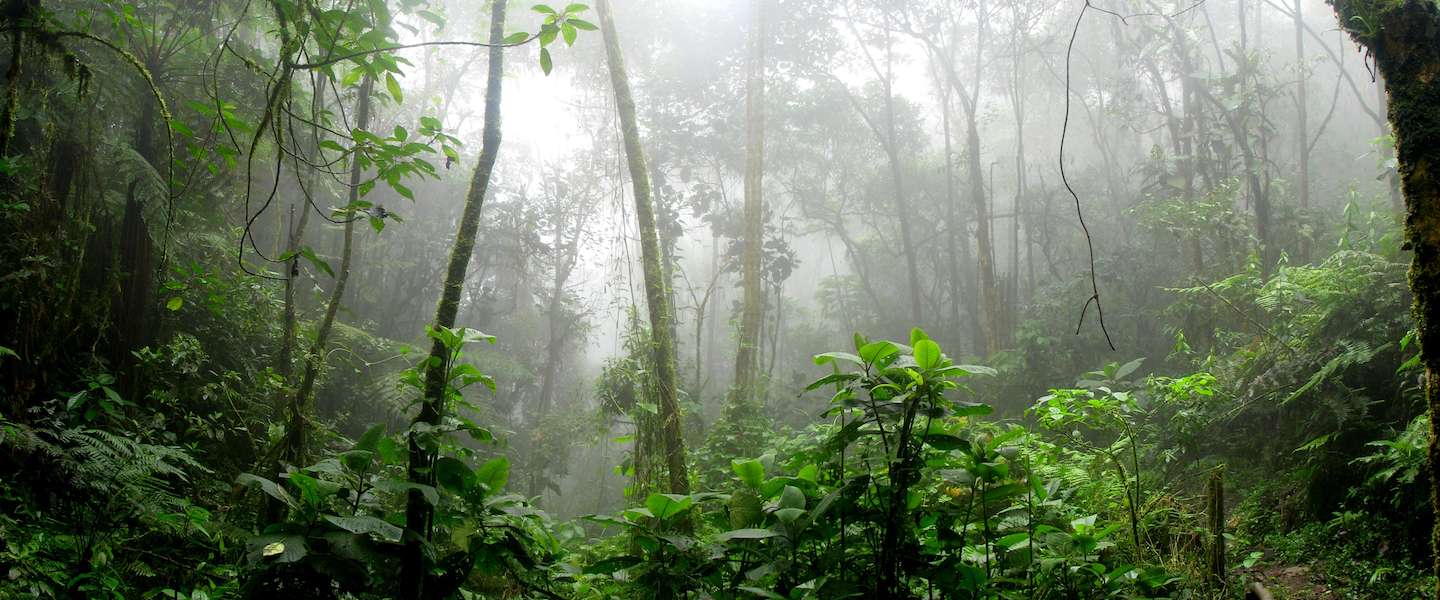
719, 299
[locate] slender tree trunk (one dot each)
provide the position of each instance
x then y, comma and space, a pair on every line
753, 305
1302, 124
558, 327
21, 14
296, 433
418, 512
296, 234
953, 224
1401, 36
897, 178
1018, 101
656, 295
292, 271
985, 245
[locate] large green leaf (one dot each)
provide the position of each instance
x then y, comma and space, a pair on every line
751, 471
494, 474
744, 508
792, 497
277, 547
927, 354
666, 506
452, 474
745, 534
366, 525
274, 490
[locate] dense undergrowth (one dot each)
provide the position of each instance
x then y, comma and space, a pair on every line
905, 485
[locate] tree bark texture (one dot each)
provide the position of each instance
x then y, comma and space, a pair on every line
418, 512
656, 294
1404, 39
753, 304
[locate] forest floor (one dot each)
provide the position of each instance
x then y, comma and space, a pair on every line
1290, 582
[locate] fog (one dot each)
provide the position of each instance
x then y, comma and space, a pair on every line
828, 190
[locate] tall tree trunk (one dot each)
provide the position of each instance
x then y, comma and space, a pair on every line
1402, 37
1017, 99
20, 13
985, 245
753, 305
131, 308
1302, 124
897, 179
969, 100
296, 433
953, 226
656, 295
558, 327
418, 512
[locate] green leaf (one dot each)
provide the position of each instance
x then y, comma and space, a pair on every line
274, 490
745, 534
518, 37
366, 525
393, 86
452, 473
792, 497
972, 409
309, 255
789, 515
946, 442
1128, 368
834, 378
751, 471
666, 506
277, 547
875, 352
545, 63
829, 357
567, 32
927, 354
175, 303
494, 474
744, 508
581, 24
575, 7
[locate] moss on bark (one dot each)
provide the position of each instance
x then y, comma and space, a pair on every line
1404, 40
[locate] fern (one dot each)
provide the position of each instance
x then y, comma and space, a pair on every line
113, 469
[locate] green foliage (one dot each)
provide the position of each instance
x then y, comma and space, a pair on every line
903, 477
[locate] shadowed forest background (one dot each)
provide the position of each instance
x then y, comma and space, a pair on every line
727, 299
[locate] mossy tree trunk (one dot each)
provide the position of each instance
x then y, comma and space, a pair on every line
1404, 39
418, 512
657, 296
752, 311
295, 446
